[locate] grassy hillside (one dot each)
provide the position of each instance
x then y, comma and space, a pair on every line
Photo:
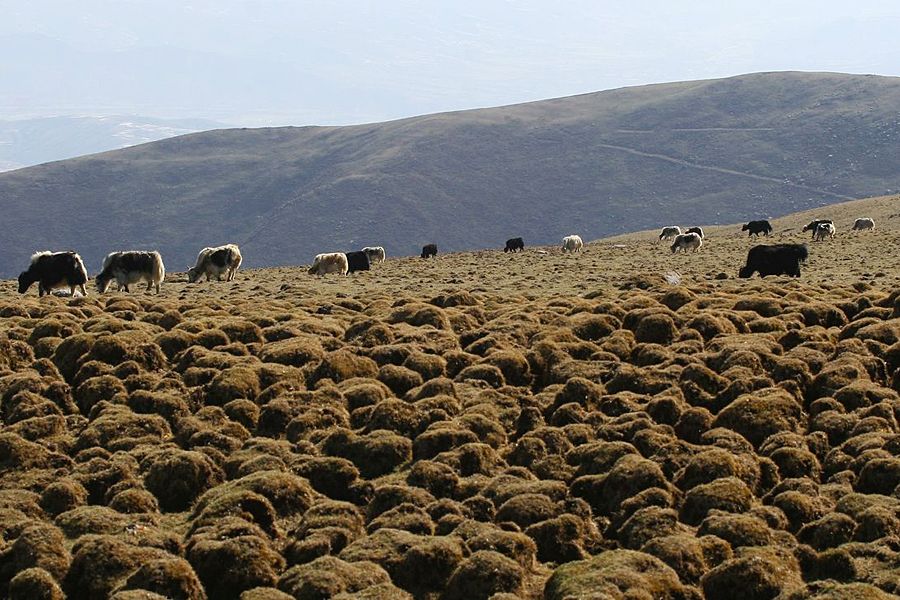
542, 425
714, 151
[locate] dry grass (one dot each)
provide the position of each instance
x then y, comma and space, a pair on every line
474, 413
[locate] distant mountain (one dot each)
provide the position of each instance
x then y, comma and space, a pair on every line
27, 142
703, 152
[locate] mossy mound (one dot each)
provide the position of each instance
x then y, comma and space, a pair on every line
178, 478
232, 564
34, 584
329, 576
757, 416
616, 574
482, 575
169, 577
760, 574
100, 564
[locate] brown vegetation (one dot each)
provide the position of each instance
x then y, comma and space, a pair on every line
388, 437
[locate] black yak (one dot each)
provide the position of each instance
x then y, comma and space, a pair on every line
757, 227
514, 244
54, 270
775, 259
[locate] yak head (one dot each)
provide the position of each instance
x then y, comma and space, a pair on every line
25, 281
103, 280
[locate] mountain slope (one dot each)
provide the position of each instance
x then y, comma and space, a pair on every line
599, 164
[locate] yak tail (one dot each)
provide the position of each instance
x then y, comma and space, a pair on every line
159, 269
802, 252
236, 258
79, 264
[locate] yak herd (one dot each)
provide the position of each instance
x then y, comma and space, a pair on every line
55, 270
765, 259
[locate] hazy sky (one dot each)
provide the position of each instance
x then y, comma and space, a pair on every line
278, 62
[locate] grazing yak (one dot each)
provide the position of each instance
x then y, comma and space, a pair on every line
758, 227
214, 262
687, 241
774, 259
429, 250
375, 253
822, 231
333, 262
572, 243
53, 270
514, 244
669, 233
864, 224
697, 230
814, 225
357, 261
129, 267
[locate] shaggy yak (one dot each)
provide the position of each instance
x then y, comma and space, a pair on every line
776, 259
54, 270
129, 267
215, 262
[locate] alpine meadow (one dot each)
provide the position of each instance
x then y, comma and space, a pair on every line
517, 352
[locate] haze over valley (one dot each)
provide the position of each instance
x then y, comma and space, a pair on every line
28, 142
